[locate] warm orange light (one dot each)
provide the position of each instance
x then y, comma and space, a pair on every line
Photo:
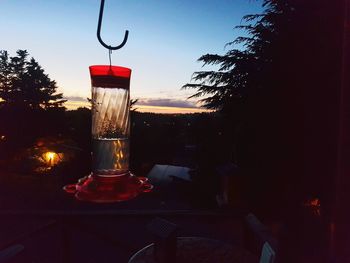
315, 202
51, 158
50, 155
314, 205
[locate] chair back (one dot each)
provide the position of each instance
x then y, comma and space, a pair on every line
260, 240
267, 254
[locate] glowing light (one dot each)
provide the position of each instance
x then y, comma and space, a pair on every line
51, 158
314, 205
2, 137
50, 155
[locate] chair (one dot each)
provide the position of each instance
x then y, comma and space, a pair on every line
168, 248
268, 255
260, 240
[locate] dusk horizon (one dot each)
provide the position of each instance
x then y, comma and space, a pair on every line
152, 105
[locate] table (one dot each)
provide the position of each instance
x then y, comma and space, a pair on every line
37, 213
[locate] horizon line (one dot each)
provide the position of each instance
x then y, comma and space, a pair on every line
73, 105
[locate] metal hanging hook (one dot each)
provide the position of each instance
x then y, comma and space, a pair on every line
99, 31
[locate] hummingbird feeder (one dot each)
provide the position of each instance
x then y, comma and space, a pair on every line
110, 179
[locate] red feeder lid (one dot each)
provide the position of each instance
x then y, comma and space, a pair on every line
107, 76
107, 70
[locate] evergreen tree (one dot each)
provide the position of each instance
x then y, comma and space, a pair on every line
279, 93
24, 84
29, 105
250, 90
242, 72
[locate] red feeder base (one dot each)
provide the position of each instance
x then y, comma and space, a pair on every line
109, 189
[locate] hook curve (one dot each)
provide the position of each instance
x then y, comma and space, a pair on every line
99, 31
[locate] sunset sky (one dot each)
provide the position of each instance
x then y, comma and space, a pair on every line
166, 38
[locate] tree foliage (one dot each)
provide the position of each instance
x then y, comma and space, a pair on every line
282, 86
247, 89
24, 84
241, 71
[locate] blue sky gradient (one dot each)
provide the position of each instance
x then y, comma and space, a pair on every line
166, 38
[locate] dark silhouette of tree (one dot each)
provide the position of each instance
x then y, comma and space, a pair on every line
242, 72
281, 93
262, 90
133, 104
30, 106
24, 84
241, 88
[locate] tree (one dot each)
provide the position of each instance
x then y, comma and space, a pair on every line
24, 84
285, 82
242, 72
242, 86
29, 105
250, 90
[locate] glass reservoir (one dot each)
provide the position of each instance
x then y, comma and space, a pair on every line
110, 125
110, 179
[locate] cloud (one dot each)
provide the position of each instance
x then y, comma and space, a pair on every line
167, 103
75, 98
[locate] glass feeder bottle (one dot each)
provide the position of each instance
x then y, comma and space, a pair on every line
110, 179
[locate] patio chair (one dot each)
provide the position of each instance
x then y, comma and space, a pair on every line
260, 240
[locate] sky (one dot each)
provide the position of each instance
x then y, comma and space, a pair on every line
165, 40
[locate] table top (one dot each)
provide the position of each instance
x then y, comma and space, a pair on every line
198, 249
26, 194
